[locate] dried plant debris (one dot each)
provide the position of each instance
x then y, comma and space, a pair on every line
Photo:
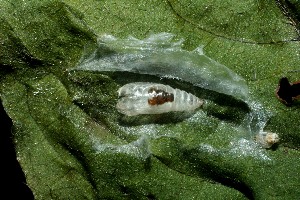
288, 92
267, 139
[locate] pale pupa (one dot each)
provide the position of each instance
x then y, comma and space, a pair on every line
154, 98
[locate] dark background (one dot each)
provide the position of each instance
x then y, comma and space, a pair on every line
13, 183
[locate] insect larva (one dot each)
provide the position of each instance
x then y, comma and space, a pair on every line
153, 98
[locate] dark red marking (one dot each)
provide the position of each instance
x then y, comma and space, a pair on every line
159, 97
287, 92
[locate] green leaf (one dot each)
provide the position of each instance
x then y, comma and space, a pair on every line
73, 144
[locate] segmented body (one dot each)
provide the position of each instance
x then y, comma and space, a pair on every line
153, 98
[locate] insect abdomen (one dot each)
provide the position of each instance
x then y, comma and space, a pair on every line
153, 98
186, 101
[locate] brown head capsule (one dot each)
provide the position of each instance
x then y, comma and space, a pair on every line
159, 97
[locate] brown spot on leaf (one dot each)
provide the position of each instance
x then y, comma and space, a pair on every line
287, 92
